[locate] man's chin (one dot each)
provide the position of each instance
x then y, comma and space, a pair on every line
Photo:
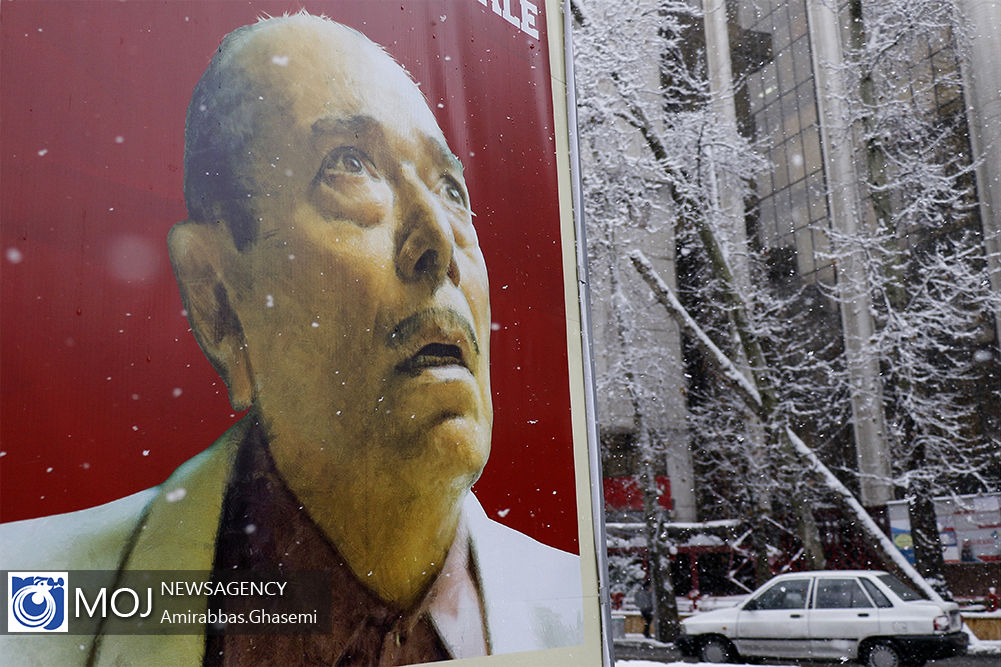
455, 445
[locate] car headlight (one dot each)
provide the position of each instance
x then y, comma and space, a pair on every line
941, 623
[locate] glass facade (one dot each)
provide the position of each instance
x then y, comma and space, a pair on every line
776, 97
779, 95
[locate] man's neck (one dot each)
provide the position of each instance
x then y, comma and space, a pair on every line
393, 530
395, 548
264, 525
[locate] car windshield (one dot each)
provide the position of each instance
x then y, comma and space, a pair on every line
903, 591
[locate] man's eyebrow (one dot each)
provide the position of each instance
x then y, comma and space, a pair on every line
447, 156
364, 124
339, 125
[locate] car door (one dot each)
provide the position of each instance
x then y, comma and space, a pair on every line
774, 623
840, 616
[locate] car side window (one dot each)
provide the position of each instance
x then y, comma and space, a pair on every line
840, 594
876, 594
902, 590
789, 594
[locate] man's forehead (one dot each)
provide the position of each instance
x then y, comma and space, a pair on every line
303, 30
321, 68
302, 46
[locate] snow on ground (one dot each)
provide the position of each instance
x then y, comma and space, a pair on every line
984, 646
994, 645
978, 647
647, 663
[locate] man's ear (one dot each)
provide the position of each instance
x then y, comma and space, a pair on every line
200, 253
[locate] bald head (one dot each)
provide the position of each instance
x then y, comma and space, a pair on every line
253, 81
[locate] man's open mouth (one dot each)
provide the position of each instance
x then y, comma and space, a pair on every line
430, 356
434, 338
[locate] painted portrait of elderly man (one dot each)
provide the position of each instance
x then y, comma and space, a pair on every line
331, 272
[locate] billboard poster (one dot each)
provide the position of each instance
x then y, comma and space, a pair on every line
969, 528
289, 291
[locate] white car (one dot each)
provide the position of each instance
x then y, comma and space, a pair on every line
862, 615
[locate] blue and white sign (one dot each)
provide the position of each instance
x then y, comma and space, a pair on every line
36, 601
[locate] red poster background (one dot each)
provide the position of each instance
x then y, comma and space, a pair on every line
104, 391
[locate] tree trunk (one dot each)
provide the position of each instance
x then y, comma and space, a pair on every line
666, 622
924, 532
761, 528
665, 604
809, 535
806, 523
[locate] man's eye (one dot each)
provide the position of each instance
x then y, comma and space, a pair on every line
452, 190
345, 161
351, 163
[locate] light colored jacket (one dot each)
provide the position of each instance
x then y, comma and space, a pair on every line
532, 595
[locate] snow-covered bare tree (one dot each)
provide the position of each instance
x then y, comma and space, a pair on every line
771, 388
627, 199
688, 152
922, 256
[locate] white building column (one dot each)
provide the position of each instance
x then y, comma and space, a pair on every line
982, 92
845, 211
731, 204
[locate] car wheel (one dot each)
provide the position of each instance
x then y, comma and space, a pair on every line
883, 654
717, 649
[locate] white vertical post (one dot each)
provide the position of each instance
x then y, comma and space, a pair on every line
872, 452
982, 93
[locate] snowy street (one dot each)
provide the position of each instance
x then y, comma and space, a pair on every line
636, 651
965, 661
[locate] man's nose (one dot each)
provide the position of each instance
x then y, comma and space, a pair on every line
425, 243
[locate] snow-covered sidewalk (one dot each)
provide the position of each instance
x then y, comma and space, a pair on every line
657, 654
984, 646
648, 663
